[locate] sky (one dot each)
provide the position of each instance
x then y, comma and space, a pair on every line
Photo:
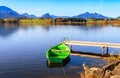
109, 8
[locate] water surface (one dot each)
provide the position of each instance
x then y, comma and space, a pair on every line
23, 49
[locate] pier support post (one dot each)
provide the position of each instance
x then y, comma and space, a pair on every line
102, 51
107, 50
71, 47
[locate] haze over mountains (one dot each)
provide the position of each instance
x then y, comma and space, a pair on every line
6, 12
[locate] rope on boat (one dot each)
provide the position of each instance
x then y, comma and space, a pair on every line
65, 75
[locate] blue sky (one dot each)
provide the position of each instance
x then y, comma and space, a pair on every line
109, 8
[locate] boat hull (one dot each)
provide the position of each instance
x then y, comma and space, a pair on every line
59, 60
58, 64
58, 53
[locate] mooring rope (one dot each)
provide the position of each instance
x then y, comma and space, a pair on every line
65, 75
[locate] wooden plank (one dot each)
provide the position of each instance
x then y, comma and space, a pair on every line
97, 44
54, 50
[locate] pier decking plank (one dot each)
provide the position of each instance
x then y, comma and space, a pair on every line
97, 44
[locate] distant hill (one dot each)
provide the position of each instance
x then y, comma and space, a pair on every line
47, 15
6, 12
28, 16
90, 15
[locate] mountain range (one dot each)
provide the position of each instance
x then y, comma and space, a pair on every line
47, 15
84, 16
6, 12
90, 15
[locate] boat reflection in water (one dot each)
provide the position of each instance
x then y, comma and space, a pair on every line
58, 65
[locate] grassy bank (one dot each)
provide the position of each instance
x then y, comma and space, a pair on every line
63, 21
36, 21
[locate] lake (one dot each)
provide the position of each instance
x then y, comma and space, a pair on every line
23, 49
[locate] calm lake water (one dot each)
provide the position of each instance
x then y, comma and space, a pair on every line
23, 49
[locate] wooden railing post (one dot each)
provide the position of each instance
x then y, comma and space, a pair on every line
107, 50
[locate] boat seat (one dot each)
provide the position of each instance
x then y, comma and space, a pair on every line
54, 50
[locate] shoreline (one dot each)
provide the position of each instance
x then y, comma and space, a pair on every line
62, 21
110, 70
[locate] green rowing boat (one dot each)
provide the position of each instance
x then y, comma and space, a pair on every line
58, 53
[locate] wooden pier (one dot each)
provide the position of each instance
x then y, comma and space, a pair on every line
96, 44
